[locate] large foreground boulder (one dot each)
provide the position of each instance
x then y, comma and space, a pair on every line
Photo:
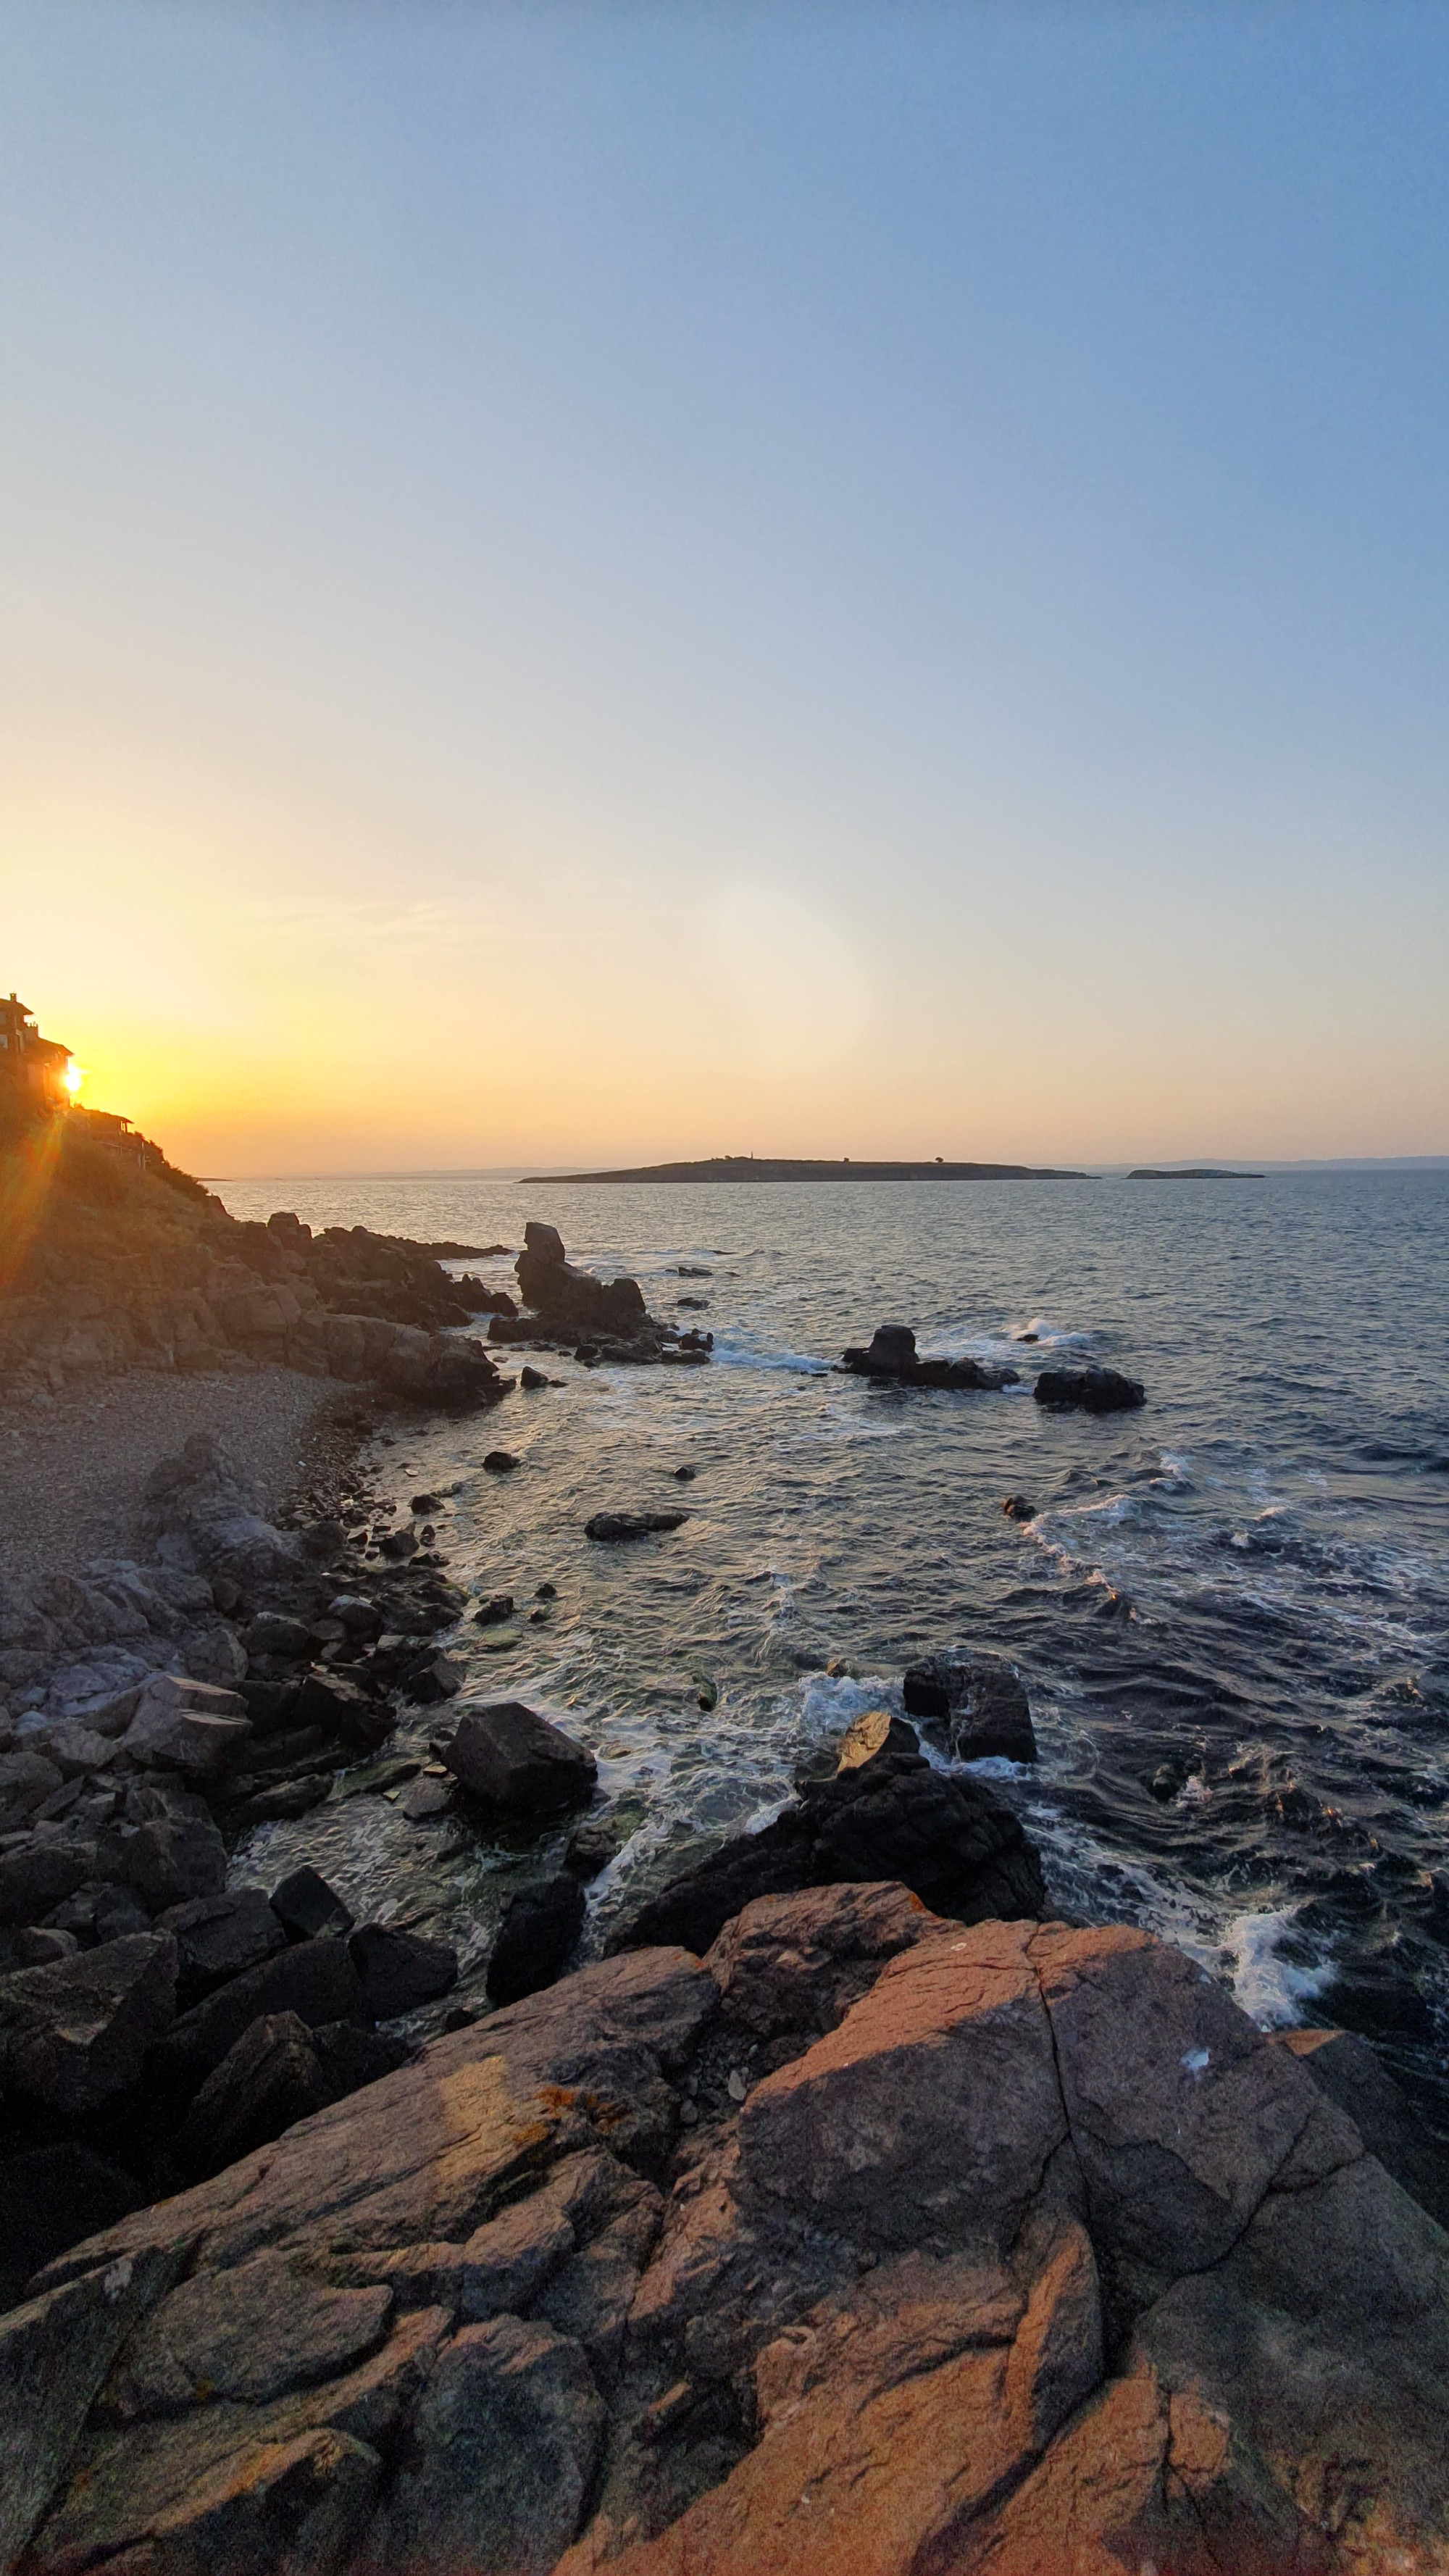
951, 1842
518, 1763
1009, 2249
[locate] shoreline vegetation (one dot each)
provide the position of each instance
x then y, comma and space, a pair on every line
851, 2214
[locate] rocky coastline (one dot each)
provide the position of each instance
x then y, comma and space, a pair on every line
850, 2214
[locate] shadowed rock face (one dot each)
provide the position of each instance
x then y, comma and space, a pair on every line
871, 2243
949, 1840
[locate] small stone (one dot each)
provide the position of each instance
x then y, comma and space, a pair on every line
1017, 1508
531, 1377
500, 1462
492, 1612
546, 1592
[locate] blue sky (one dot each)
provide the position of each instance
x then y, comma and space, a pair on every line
789, 578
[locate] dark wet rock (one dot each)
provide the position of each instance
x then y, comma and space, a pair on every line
400, 1544
1089, 1390
316, 1980
400, 1970
431, 1679
545, 1592
615, 1526
42, 1945
285, 1799
165, 1860
278, 2071
345, 1707
950, 1841
492, 1612
891, 1358
360, 1618
1017, 1508
219, 1937
39, 1875
538, 1932
519, 1763
530, 1377
439, 1370
50, 2198
591, 1847
273, 1632
75, 2035
27, 1780
307, 1908
1349, 2070
268, 2078
972, 1706
500, 1462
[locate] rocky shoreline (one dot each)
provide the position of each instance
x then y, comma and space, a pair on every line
865, 2241
850, 2214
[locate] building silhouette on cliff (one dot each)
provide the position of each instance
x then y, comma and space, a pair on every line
35, 1073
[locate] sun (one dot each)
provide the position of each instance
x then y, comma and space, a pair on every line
73, 1077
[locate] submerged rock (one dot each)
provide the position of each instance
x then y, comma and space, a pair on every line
616, 1526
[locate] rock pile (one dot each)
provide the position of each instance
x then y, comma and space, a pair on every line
599, 1319
886, 1813
868, 2243
890, 1358
127, 1267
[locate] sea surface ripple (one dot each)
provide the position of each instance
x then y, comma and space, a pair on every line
1231, 1609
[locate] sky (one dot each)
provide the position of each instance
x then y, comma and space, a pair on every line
584, 583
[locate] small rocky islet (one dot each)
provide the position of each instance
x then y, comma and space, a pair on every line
851, 2213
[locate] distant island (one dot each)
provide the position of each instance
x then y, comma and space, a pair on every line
749, 1167
1198, 1172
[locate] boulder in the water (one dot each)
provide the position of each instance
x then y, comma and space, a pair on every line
539, 1928
614, 1527
890, 1358
950, 1841
974, 1706
519, 1763
1089, 1390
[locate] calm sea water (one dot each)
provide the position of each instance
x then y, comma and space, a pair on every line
1247, 1583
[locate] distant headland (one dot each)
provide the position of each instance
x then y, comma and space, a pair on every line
751, 1167
1198, 1172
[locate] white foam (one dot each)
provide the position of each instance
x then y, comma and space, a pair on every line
1271, 1989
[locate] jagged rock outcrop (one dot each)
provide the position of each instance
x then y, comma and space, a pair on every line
128, 1263
950, 1840
890, 1358
602, 1319
870, 2242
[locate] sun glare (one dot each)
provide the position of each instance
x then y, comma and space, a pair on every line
73, 1078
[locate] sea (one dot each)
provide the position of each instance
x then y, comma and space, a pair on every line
1230, 1609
